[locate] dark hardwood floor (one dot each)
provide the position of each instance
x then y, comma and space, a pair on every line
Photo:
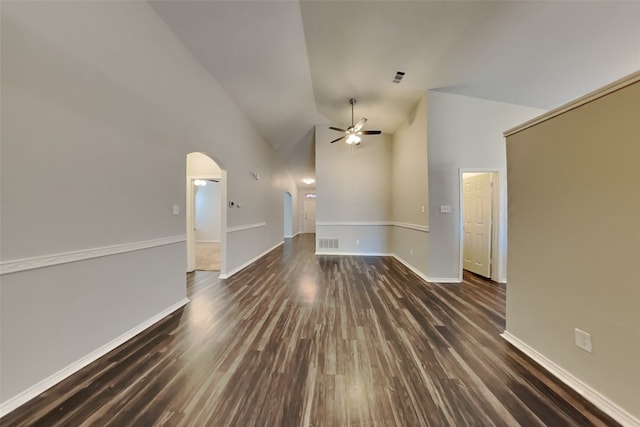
303, 340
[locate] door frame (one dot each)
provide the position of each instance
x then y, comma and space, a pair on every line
288, 209
499, 222
190, 214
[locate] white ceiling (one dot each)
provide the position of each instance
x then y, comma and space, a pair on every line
290, 65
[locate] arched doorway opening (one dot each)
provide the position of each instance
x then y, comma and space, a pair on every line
206, 218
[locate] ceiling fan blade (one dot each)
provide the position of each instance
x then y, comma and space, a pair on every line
338, 129
338, 139
360, 124
371, 132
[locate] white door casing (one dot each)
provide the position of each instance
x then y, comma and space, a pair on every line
288, 215
477, 213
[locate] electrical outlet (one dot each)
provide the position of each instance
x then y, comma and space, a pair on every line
411, 252
583, 340
445, 209
357, 242
422, 209
176, 209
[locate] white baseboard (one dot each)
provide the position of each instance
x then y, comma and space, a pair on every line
245, 227
444, 279
585, 390
36, 389
246, 264
353, 253
207, 242
412, 268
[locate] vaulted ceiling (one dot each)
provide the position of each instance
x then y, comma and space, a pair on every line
290, 65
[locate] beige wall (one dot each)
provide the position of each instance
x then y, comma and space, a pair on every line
574, 211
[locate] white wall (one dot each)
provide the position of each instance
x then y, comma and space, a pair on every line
201, 165
462, 132
409, 189
353, 192
371, 197
99, 101
207, 213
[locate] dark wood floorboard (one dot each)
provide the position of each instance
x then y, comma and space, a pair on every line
303, 340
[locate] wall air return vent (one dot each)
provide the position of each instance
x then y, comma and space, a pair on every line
328, 243
397, 78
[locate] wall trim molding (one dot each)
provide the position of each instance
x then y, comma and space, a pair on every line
410, 226
207, 242
416, 227
36, 389
17, 265
444, 279
585, 390
354, 253
246, 264
245, 227
572, 105
412, 268
352, 223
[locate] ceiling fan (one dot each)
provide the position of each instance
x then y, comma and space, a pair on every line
353, 132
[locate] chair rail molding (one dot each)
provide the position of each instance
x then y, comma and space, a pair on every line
17, 265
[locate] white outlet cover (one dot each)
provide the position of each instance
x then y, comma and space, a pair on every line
445, 209
176, 209
583, 340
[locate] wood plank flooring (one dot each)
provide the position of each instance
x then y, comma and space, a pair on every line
303, 340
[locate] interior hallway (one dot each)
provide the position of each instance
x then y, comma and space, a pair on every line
303, 340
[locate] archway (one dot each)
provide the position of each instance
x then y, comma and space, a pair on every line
206, 218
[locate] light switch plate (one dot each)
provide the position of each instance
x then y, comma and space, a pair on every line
583, 340
445, 209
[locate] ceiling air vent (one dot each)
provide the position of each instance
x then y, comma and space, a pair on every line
398, 76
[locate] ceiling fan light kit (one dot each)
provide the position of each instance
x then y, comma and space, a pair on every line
354, 132
353, 139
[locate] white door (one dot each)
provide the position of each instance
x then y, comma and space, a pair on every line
309, 214
477, 205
